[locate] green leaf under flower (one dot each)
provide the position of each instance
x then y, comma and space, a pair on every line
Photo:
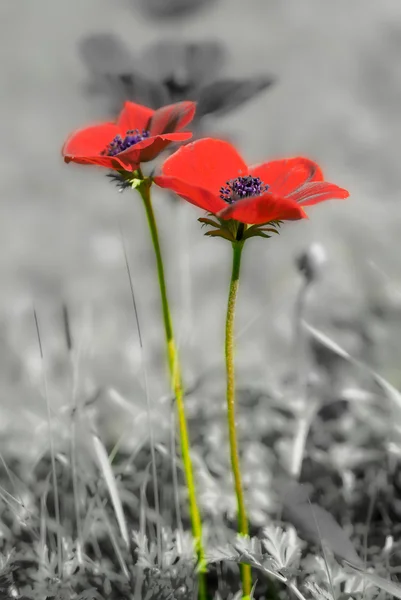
224, 233
210, 222
235, 231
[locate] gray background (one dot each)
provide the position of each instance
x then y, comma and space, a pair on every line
337, 100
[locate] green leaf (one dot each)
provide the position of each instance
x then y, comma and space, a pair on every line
232, 226
270, 229
263, 226
210, 222
255, 233
256, 226
135, 183
221, 233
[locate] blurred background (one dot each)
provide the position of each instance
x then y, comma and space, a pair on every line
279, 79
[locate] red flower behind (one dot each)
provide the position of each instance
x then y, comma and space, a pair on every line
212, 175
139, 135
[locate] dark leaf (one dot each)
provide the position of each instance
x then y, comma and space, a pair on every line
135, 88
269, 229
317, 525
221, 233
184, 66
256, 233
105, 54
261, 230
111, 66
163, 9
121, 182
226, 95
210, 222
324, 341
90, 594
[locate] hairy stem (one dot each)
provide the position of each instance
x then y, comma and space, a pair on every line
176, 386
230, 371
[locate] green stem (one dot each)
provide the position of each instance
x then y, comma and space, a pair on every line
177, 388
235, 463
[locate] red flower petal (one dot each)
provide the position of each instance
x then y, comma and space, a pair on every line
133, 116
288, 175
206, 164
89, 141
149, 148
312, 193
262, 209
85, 145
171, 118
160, 142
109, 162
198, 196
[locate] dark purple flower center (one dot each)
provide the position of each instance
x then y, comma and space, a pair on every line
119, 144
242, 187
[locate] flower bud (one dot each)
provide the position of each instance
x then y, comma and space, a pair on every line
311, 262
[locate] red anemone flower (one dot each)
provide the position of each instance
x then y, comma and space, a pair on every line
212, 175
139, 135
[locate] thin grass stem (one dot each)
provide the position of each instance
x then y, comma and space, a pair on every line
52, 451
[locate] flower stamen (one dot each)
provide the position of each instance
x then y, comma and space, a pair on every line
242, 187
119, 144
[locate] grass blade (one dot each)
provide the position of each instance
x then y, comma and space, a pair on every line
390, 391
107, 472
148, 402
52, 452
